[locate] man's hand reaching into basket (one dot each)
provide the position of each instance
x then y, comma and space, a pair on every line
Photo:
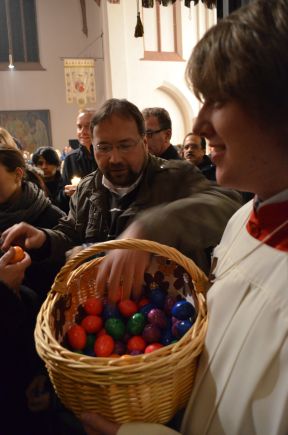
122, 270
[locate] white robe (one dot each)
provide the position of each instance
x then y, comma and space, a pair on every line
242, 380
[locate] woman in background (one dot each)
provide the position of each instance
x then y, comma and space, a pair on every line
22, 200
48, 161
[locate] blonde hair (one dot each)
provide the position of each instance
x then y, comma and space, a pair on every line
6, 138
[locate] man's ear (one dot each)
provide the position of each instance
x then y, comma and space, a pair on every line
168, 134
145, 144
19, 173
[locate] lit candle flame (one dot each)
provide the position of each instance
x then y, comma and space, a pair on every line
75, 181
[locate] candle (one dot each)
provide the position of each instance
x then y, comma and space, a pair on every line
75, 181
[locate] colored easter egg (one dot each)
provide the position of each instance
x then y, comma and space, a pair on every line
158, 297
93, 306
115, 327
18, 255
127, 308
92, 323
183, 310
104, 346
136, 324
119, 348
182, 327
152, 347
157, 318
151, 333
77, 337
136, 343
146, 308
169, 304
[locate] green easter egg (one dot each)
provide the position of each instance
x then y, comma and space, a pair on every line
115, 328
136, 324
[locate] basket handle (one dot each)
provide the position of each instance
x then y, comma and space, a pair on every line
199, 278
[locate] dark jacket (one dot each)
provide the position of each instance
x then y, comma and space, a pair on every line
36, 209
170, 154
19, 363
163, 184
78, 163
207, 168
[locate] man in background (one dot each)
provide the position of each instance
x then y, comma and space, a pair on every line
158, 127
194, 151
80, 162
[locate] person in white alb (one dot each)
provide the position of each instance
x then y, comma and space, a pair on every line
239, 70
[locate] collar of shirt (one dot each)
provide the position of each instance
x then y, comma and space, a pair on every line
121, 191
267, 216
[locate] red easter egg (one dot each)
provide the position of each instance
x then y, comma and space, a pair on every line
136, 343
151, 347
102, 332
93, 305
127, 308
92, 324
142, 302
77, 337
104, 346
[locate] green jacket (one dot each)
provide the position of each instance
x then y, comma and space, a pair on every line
175, 204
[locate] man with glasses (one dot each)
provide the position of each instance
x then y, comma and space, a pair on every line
158, 132
130, 183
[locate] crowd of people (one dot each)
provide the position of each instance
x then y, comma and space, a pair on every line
127, 180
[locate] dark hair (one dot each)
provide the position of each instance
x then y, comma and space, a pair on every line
11, 158
245, 57
161, 114
203, 140
48, 153
122, 108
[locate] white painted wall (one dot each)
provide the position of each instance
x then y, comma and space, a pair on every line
60, 35
121, 74
155, 83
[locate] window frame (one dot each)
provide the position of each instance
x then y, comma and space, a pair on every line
20, 65
164, 55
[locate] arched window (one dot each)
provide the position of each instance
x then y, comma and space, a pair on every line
18, 36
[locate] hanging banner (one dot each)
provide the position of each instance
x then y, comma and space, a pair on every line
80, 81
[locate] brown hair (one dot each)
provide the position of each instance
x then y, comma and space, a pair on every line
245, 57
122, 108
161, 114
11, 158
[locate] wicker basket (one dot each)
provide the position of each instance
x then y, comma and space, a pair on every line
150, 387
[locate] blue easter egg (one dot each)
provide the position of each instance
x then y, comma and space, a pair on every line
182, 327
158, 297
183, 310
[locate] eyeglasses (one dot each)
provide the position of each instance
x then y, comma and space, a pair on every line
149, 133
122, 148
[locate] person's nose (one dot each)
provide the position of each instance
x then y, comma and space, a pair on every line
115, 156
202, 125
